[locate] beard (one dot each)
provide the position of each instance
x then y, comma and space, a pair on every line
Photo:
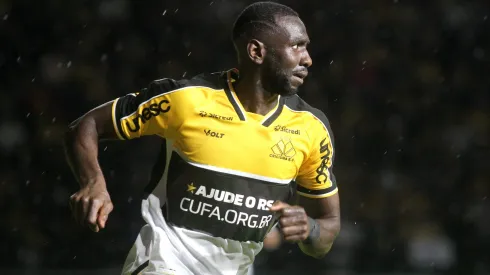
277, 80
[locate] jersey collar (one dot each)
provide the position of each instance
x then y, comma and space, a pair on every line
232, 76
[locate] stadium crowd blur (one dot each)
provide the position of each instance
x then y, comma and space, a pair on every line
405, 84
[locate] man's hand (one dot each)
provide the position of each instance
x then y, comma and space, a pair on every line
293, 221
91, 206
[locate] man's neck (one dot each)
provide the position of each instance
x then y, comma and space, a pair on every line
253, 96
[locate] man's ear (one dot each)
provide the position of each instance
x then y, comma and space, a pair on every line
256, 51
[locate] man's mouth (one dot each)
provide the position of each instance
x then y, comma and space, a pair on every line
301, 74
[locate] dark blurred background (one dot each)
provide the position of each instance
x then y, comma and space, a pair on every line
405, 84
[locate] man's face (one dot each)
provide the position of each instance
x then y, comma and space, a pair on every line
285, 65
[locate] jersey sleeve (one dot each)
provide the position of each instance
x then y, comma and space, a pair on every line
315, 177
152, 111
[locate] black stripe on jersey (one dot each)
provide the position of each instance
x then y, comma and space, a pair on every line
276, 114
140, 268
158, 169
318, 192
234, 104
118, 116
232, 100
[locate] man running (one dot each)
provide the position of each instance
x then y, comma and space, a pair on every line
239, 145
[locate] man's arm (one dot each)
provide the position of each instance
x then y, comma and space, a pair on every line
81, 142
323, 224
315, 221
92, 204
149, 112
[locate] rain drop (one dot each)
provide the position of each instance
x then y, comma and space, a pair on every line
68, 65
53, 120
331, 62
364, 62
28, 114
164, 12
34, 79
485, 18
27, 182
211, 3
189, 54
18, 59
5, 17
130, 199
184, 74
176, 10
105, 148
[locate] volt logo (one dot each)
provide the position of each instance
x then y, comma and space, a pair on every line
213, 134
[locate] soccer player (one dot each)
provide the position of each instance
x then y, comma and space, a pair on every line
238, 145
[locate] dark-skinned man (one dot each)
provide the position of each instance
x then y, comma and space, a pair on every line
238, 145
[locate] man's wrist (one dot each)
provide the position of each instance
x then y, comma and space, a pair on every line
314, 233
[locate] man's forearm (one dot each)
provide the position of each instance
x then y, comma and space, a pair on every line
81, 150
319, 244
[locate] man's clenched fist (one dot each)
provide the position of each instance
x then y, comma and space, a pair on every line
91, 206
293, 221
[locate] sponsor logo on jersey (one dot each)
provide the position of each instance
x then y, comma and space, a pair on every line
214, 134
215, 116
280, 128
284, 150
152, 110
325, 160
216, 208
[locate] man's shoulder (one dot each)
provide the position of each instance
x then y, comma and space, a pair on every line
211, 81
299, 105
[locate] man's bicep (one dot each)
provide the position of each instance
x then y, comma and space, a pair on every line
101, 118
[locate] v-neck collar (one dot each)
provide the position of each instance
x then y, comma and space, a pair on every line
231, 76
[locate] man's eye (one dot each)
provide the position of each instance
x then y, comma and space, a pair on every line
295, 46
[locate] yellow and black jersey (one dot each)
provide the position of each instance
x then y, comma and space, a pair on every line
222, 167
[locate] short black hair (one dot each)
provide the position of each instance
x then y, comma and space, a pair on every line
259, 17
